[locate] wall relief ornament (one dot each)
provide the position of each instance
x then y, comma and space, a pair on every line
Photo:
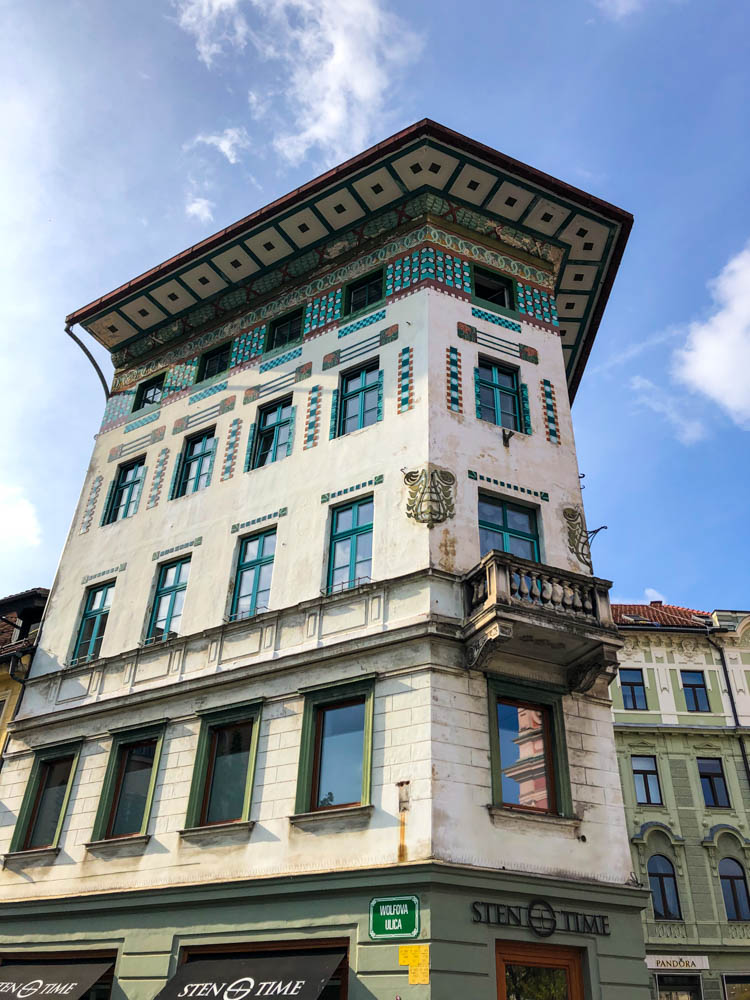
431, 495
578, 540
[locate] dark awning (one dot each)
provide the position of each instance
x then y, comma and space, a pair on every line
22, 982
282, 975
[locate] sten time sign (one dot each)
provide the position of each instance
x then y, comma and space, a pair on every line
394, 917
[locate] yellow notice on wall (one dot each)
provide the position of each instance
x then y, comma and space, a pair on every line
417, 957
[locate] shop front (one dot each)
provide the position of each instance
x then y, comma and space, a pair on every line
715, 976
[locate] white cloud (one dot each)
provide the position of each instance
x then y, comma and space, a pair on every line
199, 208
676, 411
19, 524
227, 142
649, 595
715, 359
636, 348
618, 9
654, 595
214, 24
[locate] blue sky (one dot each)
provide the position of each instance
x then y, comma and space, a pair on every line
133, 130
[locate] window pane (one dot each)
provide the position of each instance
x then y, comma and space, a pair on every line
737, 987
679, 988
363, 556
134, 782
264, 587
87, 631
265, 448
179, 600
170, 576
184, 571
653, 789
640, 788
96, 645
341, 745
523, 758
489, 540
268, 547
53, 783
521, 547
251, 549
364, 513
529, 982
505, 379
231, 753
344, 519
490, 512
341, 550
520, 520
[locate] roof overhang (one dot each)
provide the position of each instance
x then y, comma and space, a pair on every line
533, 210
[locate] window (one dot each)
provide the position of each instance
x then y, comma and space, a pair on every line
694, 686
360, 398
45, 801
646, 780
252, 588
273, 433
663, 885
129, 782
364, 292
633, 689
713, 783
214, 362
285, 330
126, 491
508, 528
149, 392
169, 599
492, 287
734, 889
94, 622
736, 988
195, 464
678, 987
336, 748
497, 389
350, 560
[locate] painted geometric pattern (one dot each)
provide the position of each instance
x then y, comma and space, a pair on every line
405, 383
486, 339
327, 497
180, 376
158, 481
427, 264
323, 310
361, 323
525, 410
536, 303
289, 356
118, 405
148, 419
88, 512
205, 393
453, 381
232, 447
509, 486
549, 406
281, 512
362, 347
490, 317
312, 420
248, 345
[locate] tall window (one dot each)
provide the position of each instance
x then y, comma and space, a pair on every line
734, 889
214, 362
365, 291
133, 780
50, 796
148, 392
492, 287
525, 755
94, 622
663, 884
498, 394
713, 782
226, 777
350, 560
633, 689
337, 767
126, 492
195, 463
694, 686
272, 436
646, 780
169, 598
285, 330
360, 396
507, 527
252, 588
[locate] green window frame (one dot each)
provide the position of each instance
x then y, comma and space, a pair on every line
498, 394
195, 464
169, 599
508, 527
273, 432
350, 554
365, 291
125, 745
360, 398
285, 330
548, 699
317, 701
29, 813
212, 723
493, 288
93, 622
150, 391
252, 584
214, 362
126, 491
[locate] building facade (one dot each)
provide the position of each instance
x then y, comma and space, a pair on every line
20, 615
322, 690
682, 710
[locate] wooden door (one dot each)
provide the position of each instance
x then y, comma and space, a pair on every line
538, 972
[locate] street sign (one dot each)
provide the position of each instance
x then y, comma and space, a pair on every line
394, 917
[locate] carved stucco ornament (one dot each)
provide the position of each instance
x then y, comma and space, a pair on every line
430, 495
486, 643
578, 540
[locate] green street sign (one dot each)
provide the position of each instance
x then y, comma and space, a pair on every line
394, 917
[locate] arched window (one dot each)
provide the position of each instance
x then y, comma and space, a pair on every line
734, 888
663, 888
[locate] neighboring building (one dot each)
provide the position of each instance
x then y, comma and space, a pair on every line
682, 712
325, 630
20, 615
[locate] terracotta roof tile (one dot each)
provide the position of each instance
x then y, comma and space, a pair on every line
658, 614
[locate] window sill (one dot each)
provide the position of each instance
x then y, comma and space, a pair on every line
346, 818
218, 833
119, 846
503, 816
35, 856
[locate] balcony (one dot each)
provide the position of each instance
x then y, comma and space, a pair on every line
540, 612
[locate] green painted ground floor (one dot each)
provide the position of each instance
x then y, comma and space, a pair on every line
408, 932
700, 974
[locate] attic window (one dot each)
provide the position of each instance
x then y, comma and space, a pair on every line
303, 227
203, 280
173, 296
637, 620
235, 263
143, 312
570, 305
547, 217
510, 201
339, 209
578, 277
377, 189
112, 329
434, 168
416, 168
588, 246
472, 185
582, 232
268, 246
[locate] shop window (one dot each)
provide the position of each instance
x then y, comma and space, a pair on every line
361, 402
274, 427
737, 987
149, 392
547, 972
678, 987
694, 688
129, 782
734, 889
42, 812
664, 895
713, 782
646, 781
93, 623
364, 292
222, 785
126, 491
194, 465
350, 557
491, 287
527, 749
252, 588
336, 748
498, 394
169, 600
214, 362
285, 330
508, 528
633, 689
